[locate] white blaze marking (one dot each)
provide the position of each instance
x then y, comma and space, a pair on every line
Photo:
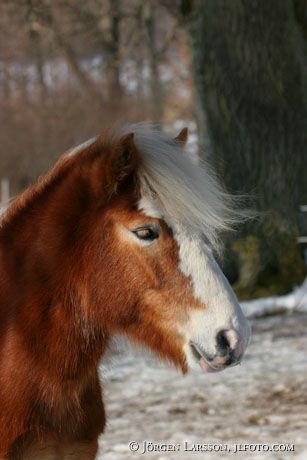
210, 286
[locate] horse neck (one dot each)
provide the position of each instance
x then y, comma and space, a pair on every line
41, 292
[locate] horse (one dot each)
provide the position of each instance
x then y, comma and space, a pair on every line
119, 237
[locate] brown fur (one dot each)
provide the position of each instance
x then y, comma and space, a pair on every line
70, 278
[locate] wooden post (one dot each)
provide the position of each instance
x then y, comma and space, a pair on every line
5, 191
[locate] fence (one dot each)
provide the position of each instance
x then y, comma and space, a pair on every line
302, 240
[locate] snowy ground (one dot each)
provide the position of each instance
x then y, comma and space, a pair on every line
263, 401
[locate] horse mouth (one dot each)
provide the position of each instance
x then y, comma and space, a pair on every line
203, 360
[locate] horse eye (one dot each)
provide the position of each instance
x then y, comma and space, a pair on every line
146, 233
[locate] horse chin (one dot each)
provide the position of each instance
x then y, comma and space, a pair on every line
207, 367
196, 359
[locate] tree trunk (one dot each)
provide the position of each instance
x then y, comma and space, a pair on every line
249, 64
249, 67
5, 79
35, 46
156, 90
113, 56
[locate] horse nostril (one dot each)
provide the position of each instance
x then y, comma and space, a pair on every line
227, 341
222, 343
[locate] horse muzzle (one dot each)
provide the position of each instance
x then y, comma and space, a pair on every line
229, 348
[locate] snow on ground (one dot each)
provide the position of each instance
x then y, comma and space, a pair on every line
295, 301
263, 401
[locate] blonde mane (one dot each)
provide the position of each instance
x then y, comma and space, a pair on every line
186, 192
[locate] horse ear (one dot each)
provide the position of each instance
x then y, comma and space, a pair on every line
124, 160
182, 137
